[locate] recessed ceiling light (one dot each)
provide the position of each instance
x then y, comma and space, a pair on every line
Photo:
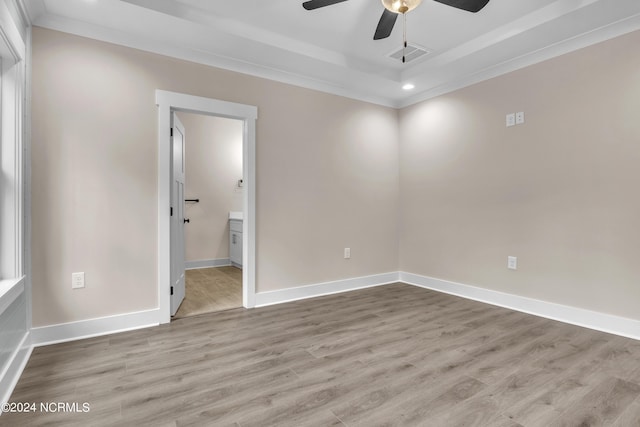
408, 86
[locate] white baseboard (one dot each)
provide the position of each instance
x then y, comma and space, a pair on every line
9, 378
207, 263
577, 316
320, 289
63, 332
622, 326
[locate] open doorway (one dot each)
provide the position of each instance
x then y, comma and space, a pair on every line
213, 212
168, 104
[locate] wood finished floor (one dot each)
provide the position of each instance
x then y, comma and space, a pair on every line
211, 289
391, 355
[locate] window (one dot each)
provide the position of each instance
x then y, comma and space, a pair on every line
12, 83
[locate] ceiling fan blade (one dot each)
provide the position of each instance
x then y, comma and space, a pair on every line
468, 5
315, 4
385, 26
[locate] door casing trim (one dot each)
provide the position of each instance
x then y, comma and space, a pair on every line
168, 102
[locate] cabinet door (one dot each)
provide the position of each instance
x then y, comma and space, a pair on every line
235, 248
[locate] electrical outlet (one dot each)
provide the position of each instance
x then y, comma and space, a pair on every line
511, 119
77, 280
520, 118
512, 263
347, 253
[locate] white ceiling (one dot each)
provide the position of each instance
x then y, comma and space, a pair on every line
332, 49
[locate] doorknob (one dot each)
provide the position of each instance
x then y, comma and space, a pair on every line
186, 220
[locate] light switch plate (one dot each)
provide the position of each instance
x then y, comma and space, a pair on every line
347, 253
520, 118
512, 263
511, 119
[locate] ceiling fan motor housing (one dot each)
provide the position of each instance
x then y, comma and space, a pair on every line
393, 8
400, 6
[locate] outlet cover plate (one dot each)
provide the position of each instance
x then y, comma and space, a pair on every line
77, 280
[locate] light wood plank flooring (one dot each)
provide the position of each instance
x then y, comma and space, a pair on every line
211, 289
391, 355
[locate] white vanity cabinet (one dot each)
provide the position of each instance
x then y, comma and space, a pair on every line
235, 242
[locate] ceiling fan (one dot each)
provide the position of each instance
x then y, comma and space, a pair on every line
392, 8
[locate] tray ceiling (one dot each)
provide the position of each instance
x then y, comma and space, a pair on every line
332, 49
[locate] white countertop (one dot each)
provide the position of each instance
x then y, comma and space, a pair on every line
236, 215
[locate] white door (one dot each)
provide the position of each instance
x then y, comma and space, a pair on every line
177, 214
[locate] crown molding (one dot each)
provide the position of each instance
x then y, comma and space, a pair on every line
332, 77
599, 35
104, 34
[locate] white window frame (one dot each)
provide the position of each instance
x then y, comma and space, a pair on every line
12, 84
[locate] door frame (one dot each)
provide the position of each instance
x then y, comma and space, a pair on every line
168, 102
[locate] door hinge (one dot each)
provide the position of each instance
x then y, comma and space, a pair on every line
172, 290
171, 131
171, 213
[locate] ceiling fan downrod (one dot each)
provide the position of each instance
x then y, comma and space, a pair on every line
404, 37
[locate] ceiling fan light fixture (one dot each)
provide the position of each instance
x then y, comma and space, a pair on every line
401, 6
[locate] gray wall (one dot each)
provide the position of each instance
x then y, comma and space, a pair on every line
327, 177
441, 189
559, 192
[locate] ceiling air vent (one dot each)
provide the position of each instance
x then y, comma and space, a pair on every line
411, 53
